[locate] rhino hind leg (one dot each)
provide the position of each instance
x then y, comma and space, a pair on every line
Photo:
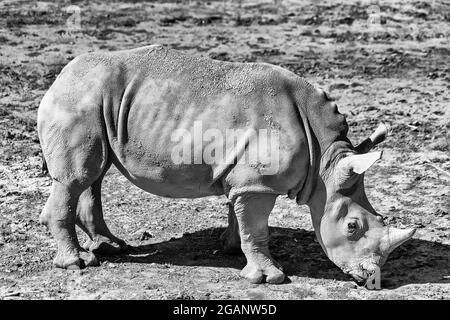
252, 214
90, 220
76, 152
231, 241
59, 216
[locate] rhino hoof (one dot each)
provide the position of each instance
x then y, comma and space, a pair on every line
67, 262
105, 246
89, 259
255, 275
85, 259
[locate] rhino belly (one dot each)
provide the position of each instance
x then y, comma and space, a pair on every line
189, 181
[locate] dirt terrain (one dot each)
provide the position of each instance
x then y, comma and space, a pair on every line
386, 63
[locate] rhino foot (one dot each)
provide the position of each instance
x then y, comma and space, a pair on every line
106, 246
252, 214
75, 261
255, 273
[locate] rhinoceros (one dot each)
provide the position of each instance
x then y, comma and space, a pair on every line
123, 107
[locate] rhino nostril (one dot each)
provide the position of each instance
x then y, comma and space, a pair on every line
360, 283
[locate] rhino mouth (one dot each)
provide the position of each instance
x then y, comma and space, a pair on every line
360, 276
364, 271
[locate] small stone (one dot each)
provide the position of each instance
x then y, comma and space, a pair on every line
142, 235
439, 212
73, 267
419, 225
145, 236
339, 85
350, 285
439, 144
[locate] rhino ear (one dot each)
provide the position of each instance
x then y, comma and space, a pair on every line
359, 163
378, 136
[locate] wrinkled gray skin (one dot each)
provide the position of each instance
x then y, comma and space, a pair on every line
120, 108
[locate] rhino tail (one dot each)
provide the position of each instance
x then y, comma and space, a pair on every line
44, 168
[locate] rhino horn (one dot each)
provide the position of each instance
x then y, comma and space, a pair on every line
378, 136
396, 237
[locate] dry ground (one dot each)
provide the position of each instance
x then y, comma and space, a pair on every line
397, 72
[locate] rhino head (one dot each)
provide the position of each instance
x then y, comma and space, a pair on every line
350, 231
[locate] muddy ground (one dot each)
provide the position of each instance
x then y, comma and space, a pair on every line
392, 65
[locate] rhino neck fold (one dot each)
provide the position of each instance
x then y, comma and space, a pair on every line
303, 192
326, 131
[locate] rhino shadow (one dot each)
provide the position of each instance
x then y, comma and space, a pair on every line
417, 261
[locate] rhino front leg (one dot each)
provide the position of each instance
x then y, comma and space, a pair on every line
90, 219
252, 213
231, 241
